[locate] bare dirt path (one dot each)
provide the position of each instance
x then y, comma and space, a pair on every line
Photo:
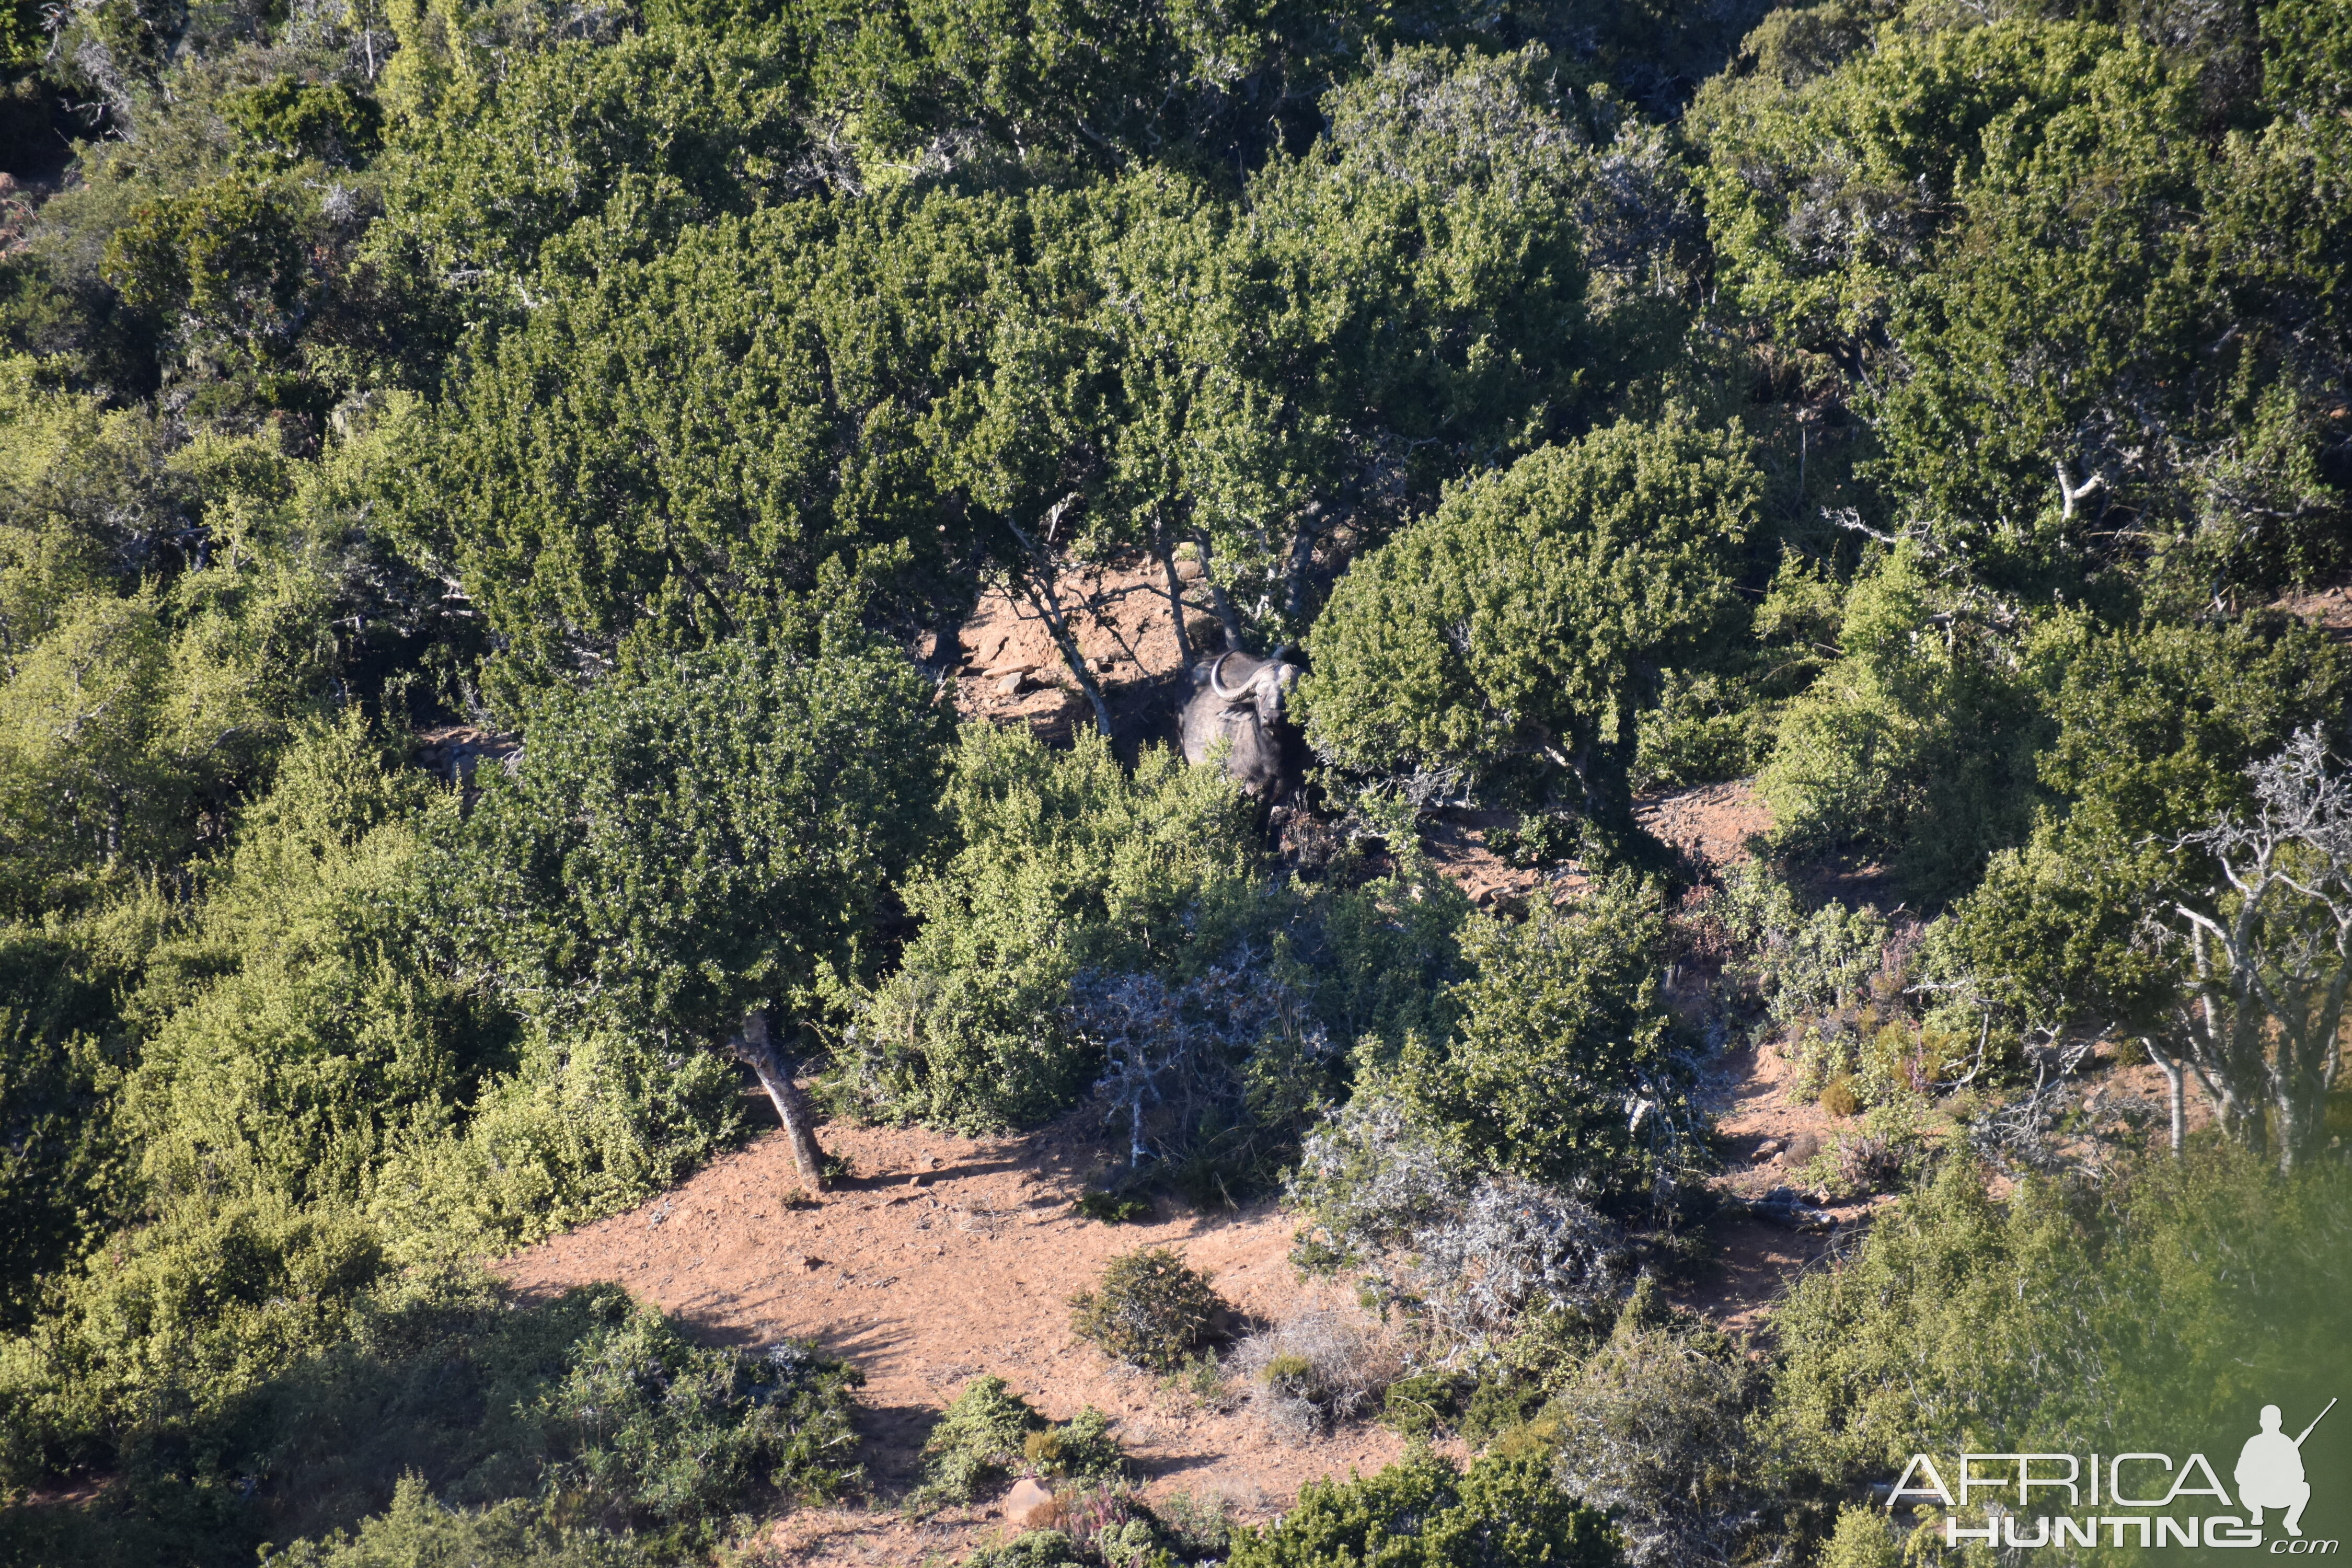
944, 1258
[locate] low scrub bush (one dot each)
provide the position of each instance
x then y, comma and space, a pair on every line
1426, 1403
1065, 861
416, 1530
990, 1434
1390, 1194
1425, 1514
1564, 1069
1316, 1371
1211, 1082
1152, 1309
1653, 1428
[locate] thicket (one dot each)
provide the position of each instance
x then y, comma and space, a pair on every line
589, 1426
487, 489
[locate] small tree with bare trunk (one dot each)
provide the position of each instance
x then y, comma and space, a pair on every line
2266, 956
687, 850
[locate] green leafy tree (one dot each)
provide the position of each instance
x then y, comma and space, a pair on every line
1532, 613
639, 138
699, 845
668, 453
2154, 729
2031, 261
1400, 302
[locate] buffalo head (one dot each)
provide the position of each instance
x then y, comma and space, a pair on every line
1237, 701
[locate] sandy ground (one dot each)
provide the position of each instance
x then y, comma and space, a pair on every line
943, 1258
1010, 669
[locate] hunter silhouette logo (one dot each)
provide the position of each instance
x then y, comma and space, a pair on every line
2149, 1495
2269, 1470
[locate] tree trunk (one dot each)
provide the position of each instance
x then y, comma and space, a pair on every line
1035, 582
1175, 589
2174, 1076
1227, 616
757, 1048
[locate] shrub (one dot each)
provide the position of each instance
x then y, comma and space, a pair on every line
1110, 1208
1918, 742
164, 1328
1426, 1403
1838, 1097
1478, 1255
2192, 1287
1653, 1428
1030, 1549
1319, 1369
990, 1434
589, 1398
1862, 1539
1064, 862
1424, 1513
416, 1530
1215, 1079
978, 1441
1150, 1309
1509, 623
1196, 1525
1081, 1447
1562, 1035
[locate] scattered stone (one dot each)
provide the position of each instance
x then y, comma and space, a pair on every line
1010, 685
1766, 1150
1025, 1501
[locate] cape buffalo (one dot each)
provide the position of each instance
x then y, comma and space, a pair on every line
1237, 701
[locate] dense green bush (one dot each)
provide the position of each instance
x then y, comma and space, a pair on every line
416, 1530
989, 1433
1564, 1068
2154, 727
266, 1383
1425, 1514
1063, 862
63, 1157
1530, 614
2192, 1288
1150, 1309
1941, 421
1918, 744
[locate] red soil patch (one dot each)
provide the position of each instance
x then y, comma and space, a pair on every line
1010, 669
943, 1258
1712, 824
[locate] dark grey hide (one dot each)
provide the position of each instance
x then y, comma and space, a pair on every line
1237, 702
